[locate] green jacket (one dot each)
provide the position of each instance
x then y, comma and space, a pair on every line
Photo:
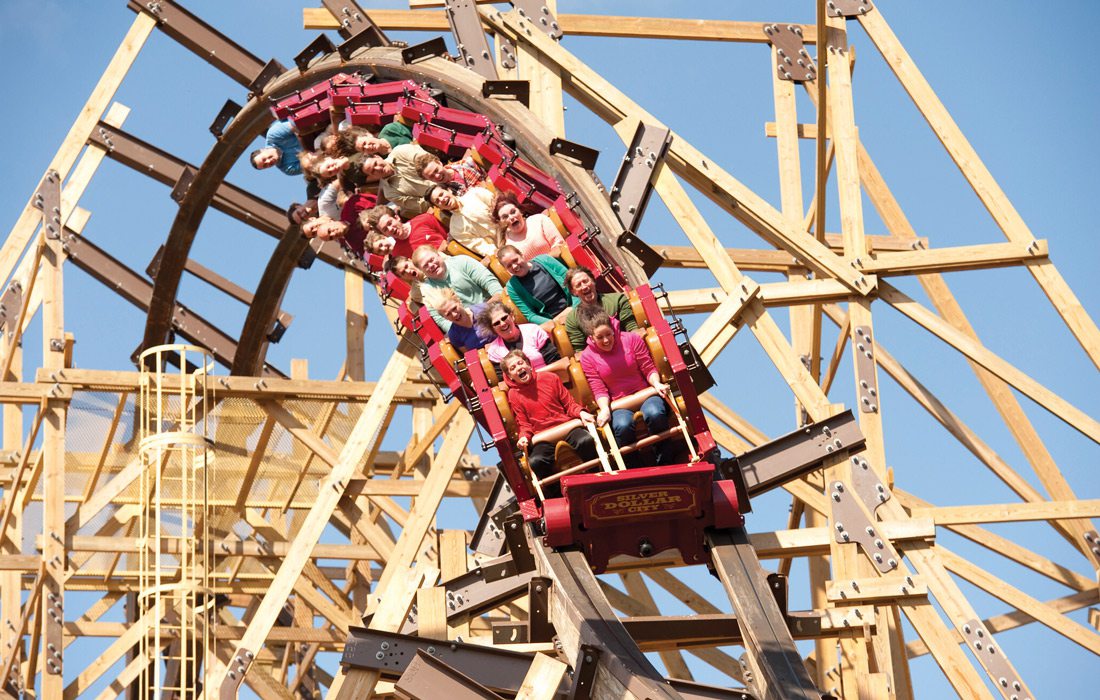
615, 304
528, 305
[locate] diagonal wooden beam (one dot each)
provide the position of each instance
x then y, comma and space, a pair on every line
975, 351
1039, 610
981, 180
331, 488
78, 133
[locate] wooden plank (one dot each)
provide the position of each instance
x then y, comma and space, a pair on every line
274, 388
886, 588
1002, 396
719, 328
978, 353
78, 133
1017, 618
955, 259
329, 491
543, 679
355, 325
107, 658
996, 587
431, 613
572, 24
981, 180
1009, 512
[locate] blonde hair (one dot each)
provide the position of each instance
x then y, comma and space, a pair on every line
435, 297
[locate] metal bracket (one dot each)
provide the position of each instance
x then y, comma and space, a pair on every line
649, 258
848, 8
522, 558
426, 678
538, 13
473, 47
1010, 684
183, 184
520, 89
427, 49
48, 199
865, 370
867, 485
585, 156
633, 184
537, 627
11, 304
229, 110
792, 61
1092, 540
778, 583
787, 457
584, 672
271, 70
749, 677
238, 667
852, 524
368, 36
354, 22
507, 52
488, 538
390, 654
321, 46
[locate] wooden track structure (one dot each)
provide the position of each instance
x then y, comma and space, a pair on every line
316, 534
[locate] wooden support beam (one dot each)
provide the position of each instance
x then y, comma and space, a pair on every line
62, 162
571, 24
1010, 512
981, 180
975, 351
968, 257
996, 587
361, 440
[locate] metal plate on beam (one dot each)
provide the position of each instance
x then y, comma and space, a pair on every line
981, 643
848, 8
583, 155
390, 654
647, 257
866, 376
789, 456
633, 184
321, 46
224, 116
792, 61
870, 488
852, 524
473, 46
519, 89
354, 22
540, 15
427, 49
428, 678
48, 199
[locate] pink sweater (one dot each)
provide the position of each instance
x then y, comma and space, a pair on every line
620, 371
533, 339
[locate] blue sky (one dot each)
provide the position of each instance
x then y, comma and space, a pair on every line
1013, 79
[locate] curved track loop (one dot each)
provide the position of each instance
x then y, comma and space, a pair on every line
457, 82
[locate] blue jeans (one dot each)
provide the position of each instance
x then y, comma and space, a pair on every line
654, 413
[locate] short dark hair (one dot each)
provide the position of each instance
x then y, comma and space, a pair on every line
431, 190
574, 272
252, 157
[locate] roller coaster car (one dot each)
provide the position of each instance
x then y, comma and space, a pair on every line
641, 512
448, 141
633, 512
371, 113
